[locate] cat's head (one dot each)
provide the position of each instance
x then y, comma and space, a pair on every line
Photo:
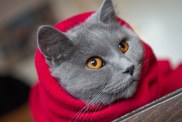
97, 61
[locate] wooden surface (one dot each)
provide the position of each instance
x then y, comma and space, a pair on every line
165, 109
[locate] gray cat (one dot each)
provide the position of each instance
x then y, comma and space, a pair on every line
98, 61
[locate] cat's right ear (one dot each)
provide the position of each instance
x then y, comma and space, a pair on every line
105, 13
54, 44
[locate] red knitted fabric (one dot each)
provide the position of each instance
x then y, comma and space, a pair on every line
49, 102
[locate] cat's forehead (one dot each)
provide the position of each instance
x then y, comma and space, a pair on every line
96, 38
96, 33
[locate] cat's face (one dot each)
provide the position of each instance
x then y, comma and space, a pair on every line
97, 61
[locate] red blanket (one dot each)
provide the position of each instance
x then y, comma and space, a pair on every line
50, 103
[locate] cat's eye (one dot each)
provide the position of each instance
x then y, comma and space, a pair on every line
123, 46
95, 63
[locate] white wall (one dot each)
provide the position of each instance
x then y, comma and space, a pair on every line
158, 22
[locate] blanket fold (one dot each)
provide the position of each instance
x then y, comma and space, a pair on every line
49, 102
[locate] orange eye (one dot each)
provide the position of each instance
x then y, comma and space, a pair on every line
95, 63
123, 46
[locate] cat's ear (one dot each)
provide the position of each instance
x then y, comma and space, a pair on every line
105, 13
53, 44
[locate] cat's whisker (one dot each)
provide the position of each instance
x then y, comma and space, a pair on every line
99, 107
145, 61
78, 113
84, 109
142, 63
74, 118
96, 99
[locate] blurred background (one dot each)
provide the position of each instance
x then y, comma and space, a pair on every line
158, 22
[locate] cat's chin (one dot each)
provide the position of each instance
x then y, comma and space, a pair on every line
109, 98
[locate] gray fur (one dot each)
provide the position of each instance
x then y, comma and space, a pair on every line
99, 36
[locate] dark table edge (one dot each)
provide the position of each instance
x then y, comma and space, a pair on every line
154, 103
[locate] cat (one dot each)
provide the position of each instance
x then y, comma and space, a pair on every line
97, 61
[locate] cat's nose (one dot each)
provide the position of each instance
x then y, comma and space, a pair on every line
129, 70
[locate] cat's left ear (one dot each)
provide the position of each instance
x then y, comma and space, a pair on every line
54, 44
105, 13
